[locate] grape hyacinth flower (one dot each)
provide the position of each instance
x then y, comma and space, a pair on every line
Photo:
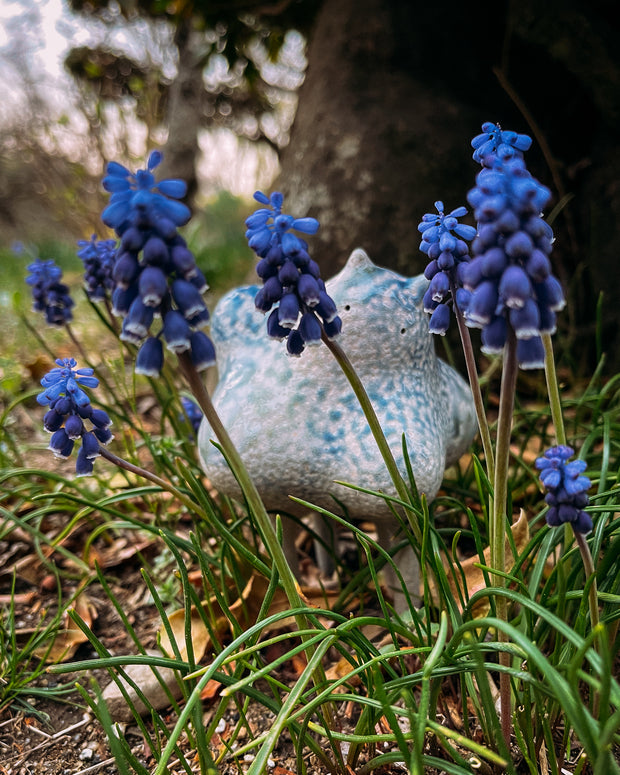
566, 488
444, 240
98, 258
155, 274
50, 295
193, 413
69, 411
494, 141
291, 279
509, 276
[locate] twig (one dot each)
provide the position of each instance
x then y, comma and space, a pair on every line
53, 739
95, 767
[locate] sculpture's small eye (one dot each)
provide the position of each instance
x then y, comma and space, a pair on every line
403, 330
347, 307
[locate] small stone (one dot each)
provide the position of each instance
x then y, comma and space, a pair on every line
86, 754
144, 677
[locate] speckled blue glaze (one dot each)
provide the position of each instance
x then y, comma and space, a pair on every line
296, 421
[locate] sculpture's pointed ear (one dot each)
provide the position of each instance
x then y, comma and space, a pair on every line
417, 286
360, 261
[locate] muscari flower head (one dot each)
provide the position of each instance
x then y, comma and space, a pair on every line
509, 276
155, 274
69, 413
98, 258
495, 141
444, 240
566, 488
192, 413
49, 294
138, 198
291, 279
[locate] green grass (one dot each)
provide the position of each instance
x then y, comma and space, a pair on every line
425, 693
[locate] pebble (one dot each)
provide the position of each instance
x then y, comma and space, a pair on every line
86, 754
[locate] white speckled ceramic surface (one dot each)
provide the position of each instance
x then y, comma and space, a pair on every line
296, 421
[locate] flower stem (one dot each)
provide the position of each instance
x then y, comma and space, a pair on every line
553, 390
151, 477
474, 383
245, 482
375, 427
498, 518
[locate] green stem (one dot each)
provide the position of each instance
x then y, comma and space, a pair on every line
553, 390
151, 477
474, 383
375, 427
590, 575
588, 567
257, 507
248, 487
76, 343
498, 519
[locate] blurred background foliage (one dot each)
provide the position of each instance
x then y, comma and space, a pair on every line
389, 95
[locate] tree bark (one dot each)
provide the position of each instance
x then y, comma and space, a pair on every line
184, 110
395, 91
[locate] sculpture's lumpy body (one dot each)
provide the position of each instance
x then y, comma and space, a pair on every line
296, 421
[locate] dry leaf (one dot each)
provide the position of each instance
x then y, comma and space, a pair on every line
340, 669
68, 639
199, 634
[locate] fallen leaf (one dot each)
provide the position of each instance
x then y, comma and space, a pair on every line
199, 635
340, 669
68, 639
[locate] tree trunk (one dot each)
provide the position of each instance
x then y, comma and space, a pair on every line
394, 93
184, 109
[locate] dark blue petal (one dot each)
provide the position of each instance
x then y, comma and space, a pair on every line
294, 344
152, 286
84, 465
274, 329
310, 328
308, 290
202, 351
74, 426
440, 320
515, 287
187, 298
493, 337
333, 328
288, 310
525, 321
530, 353
150, 358
177, 332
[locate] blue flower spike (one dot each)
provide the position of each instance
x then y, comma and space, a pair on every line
509, 277
444, 240
155, 275
494, 141
69, 411
50, 296
293, 292
192, 413
98, 258
566, 488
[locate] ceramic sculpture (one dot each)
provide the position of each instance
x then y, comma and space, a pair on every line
297, 424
